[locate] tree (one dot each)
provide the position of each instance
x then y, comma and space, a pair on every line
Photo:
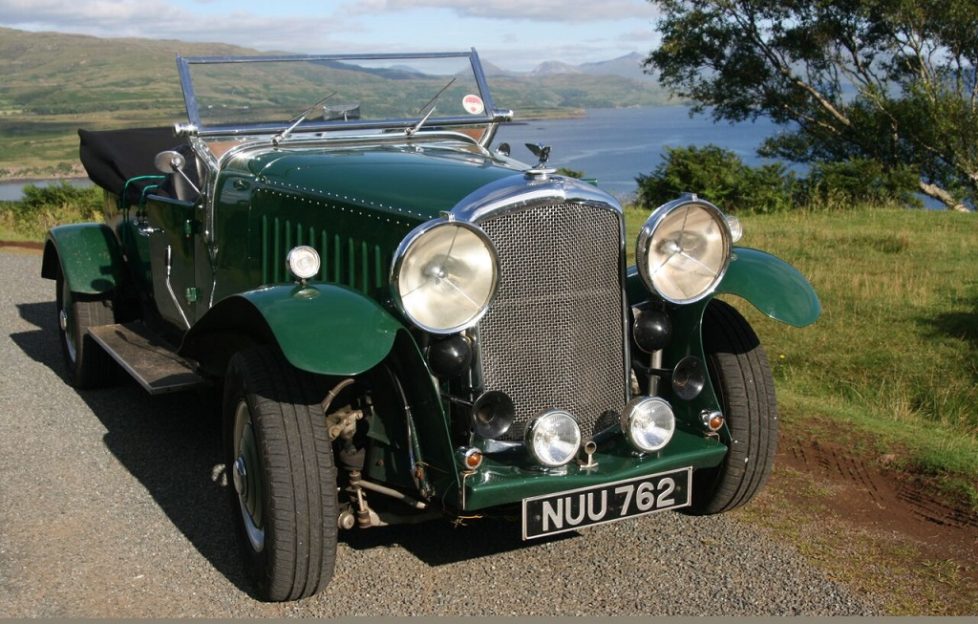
892, 81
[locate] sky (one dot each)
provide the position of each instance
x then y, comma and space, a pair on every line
514, 34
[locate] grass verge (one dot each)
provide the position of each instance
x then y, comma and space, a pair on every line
895, 352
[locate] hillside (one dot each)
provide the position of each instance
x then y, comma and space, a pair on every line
55, 83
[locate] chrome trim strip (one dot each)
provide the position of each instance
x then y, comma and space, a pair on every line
380, 124
519, 191
259, 141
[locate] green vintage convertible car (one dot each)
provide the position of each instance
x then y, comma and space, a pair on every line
406, 323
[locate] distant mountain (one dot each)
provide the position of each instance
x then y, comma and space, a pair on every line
553, 68
490, 70
628, 66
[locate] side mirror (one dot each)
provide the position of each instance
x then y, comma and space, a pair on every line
503, 149
174, 162
169, 162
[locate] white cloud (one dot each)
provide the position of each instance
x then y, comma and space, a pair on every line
539, 10
347, 29
161, 20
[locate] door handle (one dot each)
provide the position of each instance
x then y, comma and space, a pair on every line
143, 228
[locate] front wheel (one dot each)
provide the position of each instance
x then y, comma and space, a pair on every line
89, 366
744, 385
280, 463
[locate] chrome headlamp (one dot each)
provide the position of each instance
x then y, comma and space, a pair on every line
553, 438
648, 423
444, 275
684, 249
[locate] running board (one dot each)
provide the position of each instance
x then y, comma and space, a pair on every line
150, 362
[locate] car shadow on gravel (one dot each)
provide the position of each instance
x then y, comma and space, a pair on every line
171, 444
440, 542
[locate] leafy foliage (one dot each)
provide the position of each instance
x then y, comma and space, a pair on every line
719, 175
44, 207
890, 81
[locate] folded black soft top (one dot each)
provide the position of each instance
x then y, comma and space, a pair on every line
112, 157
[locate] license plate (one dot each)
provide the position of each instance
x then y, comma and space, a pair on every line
575, 509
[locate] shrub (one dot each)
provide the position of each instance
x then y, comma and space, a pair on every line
720, 176
857, 180
44, 207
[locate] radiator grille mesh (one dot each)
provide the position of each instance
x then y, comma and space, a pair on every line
553, 337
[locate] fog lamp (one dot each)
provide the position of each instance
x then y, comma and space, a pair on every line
736, 228
303, 261
553, 438
648, 423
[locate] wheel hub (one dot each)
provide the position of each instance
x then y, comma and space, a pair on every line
249, 488
63, 320
240, 476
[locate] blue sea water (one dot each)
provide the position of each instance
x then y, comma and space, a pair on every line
616, 145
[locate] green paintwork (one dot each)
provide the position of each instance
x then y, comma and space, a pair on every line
353, 204
496, 483
773, 286
89, 255
320, 328
413, 183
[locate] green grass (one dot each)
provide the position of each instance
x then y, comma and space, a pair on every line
895, 352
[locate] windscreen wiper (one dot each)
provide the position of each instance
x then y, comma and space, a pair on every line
429, 107
284, 134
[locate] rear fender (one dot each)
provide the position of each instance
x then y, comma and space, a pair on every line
324, 329
89, 257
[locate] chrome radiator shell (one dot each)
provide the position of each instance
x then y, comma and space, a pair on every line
555, 335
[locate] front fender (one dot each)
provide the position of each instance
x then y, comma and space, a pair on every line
89, 255
771, 285
324, 329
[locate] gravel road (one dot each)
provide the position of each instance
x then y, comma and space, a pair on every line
111, 505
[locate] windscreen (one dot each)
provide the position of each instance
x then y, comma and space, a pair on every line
273, 94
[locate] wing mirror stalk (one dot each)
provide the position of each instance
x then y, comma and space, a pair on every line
174, 162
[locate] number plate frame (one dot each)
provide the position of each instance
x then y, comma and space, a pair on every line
617, 501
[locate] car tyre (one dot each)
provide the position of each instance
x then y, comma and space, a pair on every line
281, 473
744, 386
88, 365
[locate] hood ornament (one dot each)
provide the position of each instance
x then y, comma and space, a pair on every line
540, 171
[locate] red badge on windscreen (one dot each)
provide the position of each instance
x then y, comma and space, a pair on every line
473, 104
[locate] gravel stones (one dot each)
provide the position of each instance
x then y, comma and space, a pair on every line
112, 504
